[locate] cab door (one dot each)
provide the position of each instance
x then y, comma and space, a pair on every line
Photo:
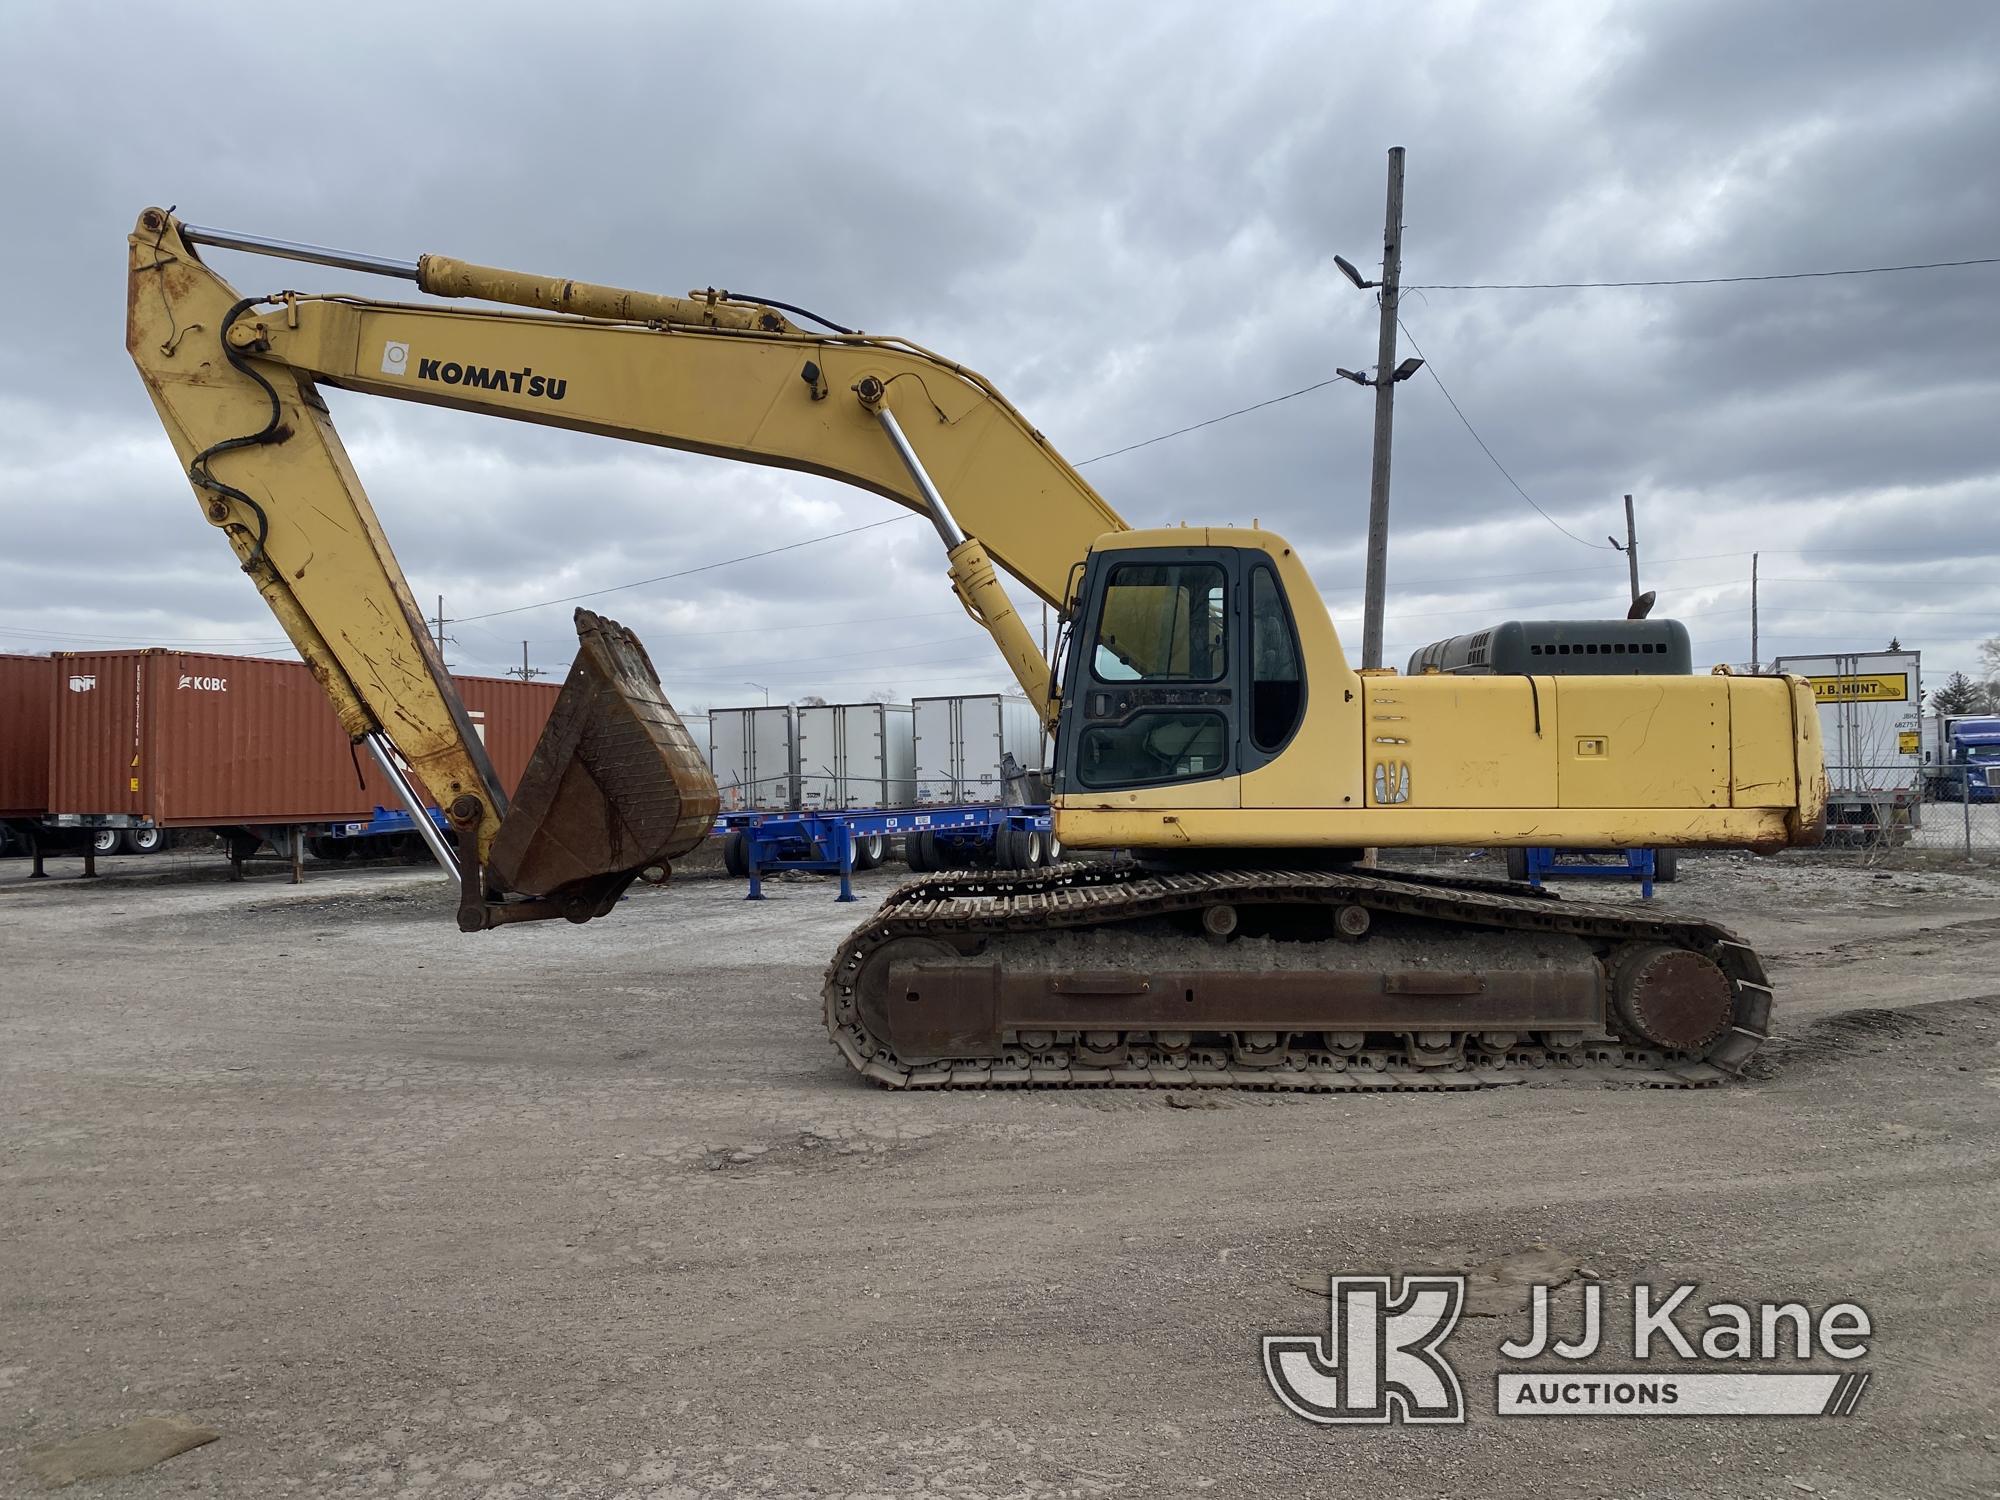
1153, 686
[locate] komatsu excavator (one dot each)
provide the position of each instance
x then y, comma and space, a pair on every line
1205, 718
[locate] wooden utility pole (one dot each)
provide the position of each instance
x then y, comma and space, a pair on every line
525, 672
1632, 548
1375, 583
1756, 661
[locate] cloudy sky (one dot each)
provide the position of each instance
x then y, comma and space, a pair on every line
1126, 215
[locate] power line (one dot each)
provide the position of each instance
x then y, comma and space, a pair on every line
1431, 365
1565, 286
683, 573
1197, 426
958, 650
851, 530
665, 640
174, 643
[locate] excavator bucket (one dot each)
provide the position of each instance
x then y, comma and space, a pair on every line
616, 784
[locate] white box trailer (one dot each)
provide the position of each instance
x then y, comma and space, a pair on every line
856, 755
965, 746
1871, 729
753, 753
697, 728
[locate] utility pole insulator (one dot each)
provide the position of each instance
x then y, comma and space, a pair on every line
525, 672
438, 625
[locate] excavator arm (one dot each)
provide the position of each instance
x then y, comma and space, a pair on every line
236, 383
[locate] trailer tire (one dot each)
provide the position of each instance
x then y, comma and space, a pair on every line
1027, 849
736, 854
321, 846
1666, 866
1517, 863
869, 850
105, 841
920, 853
1030, 849
145, 840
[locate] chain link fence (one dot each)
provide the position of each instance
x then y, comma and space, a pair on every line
1905, 807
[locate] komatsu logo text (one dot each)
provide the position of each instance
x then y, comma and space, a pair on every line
522, 382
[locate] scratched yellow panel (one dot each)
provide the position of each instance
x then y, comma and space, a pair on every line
1458, 742
1643, 741
1763, 772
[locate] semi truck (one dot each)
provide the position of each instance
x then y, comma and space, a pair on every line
1961, 757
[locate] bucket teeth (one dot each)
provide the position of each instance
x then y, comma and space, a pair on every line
616, 783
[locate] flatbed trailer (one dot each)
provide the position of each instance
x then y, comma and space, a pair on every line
839, 842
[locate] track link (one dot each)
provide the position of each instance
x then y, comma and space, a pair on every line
974, 905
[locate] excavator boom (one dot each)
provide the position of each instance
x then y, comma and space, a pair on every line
236, 382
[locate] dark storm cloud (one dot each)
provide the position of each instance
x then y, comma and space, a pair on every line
1123, 215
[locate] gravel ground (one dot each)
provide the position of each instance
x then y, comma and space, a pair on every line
599, 1212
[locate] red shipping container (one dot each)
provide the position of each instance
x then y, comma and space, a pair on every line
189, 739
24, 735
509, 716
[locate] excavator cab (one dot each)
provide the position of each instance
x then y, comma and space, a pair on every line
1185, 666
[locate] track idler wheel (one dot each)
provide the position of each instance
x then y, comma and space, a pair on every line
1671, 997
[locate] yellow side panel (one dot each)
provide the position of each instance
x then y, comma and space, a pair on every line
1643, 741
1443, 741
1763, 771
1300, 828
1323, 764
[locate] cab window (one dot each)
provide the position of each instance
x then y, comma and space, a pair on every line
1277, 686
1163, 622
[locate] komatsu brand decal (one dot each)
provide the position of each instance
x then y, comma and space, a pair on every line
522, 382
1392, 782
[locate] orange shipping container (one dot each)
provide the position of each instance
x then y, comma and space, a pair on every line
190, 739
24, 735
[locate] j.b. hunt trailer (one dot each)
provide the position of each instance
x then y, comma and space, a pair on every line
1869, 723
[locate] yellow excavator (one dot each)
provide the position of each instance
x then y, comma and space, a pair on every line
1203, 713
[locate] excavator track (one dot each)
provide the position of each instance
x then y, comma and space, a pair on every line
1349, 979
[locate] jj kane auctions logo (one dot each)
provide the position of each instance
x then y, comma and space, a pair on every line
1382, 1360
521, 382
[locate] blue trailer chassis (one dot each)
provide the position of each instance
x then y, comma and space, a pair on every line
824, 841
1552, 864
